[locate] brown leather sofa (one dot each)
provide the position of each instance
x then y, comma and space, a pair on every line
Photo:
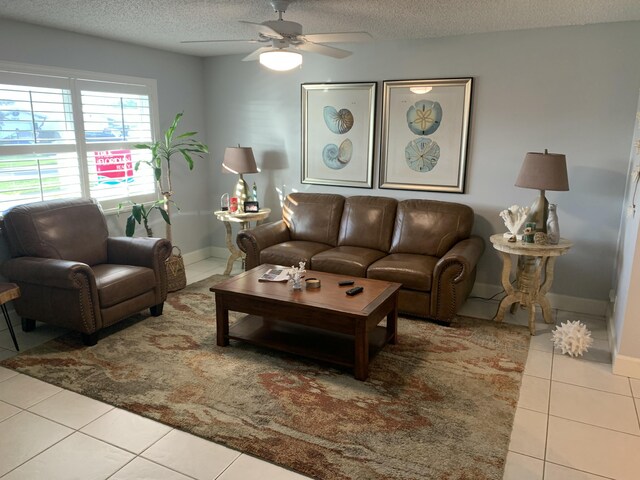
425, 245
72, 274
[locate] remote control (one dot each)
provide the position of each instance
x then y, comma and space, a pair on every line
354, 291
345, 283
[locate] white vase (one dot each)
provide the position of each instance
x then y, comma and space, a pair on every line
553, 229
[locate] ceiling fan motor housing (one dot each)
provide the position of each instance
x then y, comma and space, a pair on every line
280, 6
285, 28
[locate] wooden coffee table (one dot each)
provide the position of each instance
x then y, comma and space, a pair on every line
324, 324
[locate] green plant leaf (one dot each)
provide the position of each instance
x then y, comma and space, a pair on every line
136, 213
187, 134
187, 157
165, 215
131, 226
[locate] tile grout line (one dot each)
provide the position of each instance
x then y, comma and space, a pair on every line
582, 471
546, 436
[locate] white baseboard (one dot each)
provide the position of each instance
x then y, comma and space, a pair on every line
219, 252
198, 255
626, 366
621, 364
562, 302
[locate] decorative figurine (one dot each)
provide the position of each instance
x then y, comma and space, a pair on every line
295, 276
540, 238
513, 218
572, 338
553, 229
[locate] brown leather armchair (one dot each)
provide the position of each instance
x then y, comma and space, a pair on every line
72, 274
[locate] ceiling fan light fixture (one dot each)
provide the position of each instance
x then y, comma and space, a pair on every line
281, 60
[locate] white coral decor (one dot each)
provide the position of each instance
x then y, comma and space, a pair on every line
572, 338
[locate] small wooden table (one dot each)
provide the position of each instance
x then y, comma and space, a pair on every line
529, 289
8, 292
244, 219
324, 324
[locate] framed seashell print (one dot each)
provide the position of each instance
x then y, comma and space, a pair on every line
425, 131
338, 121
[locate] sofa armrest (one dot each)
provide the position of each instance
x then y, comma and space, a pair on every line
139, 251
253, 241
48, 272
453, 277
463, 257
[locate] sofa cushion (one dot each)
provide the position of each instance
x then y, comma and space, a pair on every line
412, 271
346, 260
430, 227
63, 229
368, 222
291, 253
117, 283
313, 217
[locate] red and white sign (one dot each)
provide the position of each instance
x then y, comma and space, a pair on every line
114, 164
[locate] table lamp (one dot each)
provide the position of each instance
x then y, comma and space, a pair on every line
240, 160
543, 171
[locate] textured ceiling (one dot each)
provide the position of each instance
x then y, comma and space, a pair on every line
164, 23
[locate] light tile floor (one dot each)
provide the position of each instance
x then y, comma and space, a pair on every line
575, 420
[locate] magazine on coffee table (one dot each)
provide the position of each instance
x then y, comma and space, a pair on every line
275, 275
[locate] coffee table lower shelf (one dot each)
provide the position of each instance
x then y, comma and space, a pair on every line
309, 342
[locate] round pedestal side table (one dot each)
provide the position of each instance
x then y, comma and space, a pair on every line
244, 219
530, 290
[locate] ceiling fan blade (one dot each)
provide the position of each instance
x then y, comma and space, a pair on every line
220, 41
323, 50
263, 29
349, 37
255, 55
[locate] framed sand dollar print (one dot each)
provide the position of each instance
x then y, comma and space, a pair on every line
425, 131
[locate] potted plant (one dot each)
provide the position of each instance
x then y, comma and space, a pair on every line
162, 151
183, 146
140, 214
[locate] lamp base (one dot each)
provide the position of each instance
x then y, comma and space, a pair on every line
242, 193
539, 213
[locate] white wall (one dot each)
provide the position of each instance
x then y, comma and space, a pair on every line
180, 88
625, 315
572, 90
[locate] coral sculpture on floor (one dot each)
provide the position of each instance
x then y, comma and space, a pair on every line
572, 337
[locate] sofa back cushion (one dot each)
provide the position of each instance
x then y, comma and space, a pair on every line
430, 227
313, 217
62, 229
367, 222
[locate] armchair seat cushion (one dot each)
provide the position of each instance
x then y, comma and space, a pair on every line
414, 271
118, 283
292, 252
346, 260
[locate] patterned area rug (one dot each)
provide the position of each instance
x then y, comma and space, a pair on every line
438, 405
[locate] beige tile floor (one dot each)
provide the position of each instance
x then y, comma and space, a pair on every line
575, 421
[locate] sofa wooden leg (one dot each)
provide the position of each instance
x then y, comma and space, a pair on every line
28, 324
156, 310
90, 339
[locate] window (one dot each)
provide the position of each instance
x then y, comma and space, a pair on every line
70, 134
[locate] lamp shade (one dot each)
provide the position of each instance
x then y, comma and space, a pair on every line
281, 60
544, 171
239, 160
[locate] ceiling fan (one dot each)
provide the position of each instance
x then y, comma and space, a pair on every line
283, 39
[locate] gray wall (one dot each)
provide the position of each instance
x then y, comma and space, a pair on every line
180, 82
572, 90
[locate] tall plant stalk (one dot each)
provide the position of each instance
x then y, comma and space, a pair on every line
185, 146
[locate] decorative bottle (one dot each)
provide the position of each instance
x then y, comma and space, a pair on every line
254, 192
553, 229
